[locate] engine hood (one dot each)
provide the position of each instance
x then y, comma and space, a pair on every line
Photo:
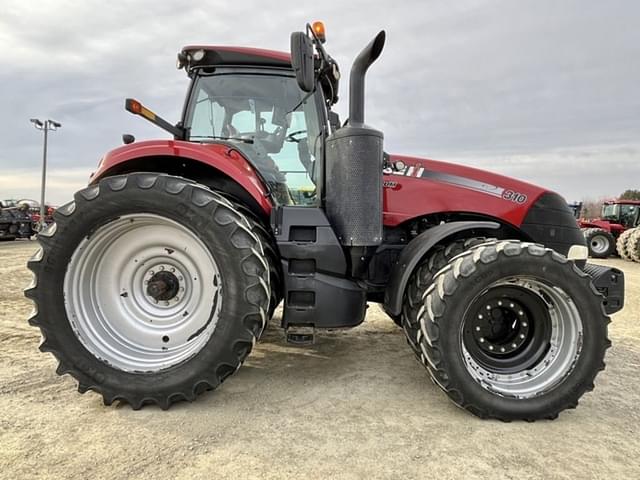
419, 186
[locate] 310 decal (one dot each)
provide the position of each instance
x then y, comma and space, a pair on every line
515, 197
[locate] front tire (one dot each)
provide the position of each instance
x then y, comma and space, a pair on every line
421, 279
149, 288
513, 330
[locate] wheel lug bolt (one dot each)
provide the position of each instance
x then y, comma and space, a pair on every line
490, 347
488, 307
500, 303
511, 305
522, 335
480, 316
173, 269
161, 267
482, 340
502, 349
524, 324
152, 273
166, 304
477, 329
514, 345
520, 312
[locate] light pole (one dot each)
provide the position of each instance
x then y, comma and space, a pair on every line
45, 125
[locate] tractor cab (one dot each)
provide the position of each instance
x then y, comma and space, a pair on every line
263, 114
256, 101
626, 213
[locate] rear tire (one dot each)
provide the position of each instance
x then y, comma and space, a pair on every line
273, 258
622, 244
420, 281
601, 243
633, 245
513, 331
98, 314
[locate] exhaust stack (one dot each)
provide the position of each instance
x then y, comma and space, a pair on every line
353, 181
361, 64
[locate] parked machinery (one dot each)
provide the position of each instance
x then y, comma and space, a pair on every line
15, 220
602, 234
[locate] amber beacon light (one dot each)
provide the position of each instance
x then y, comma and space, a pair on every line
318, 30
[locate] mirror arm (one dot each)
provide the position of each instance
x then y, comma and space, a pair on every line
135, 107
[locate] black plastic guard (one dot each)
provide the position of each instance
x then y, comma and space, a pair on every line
610, 282
550, 222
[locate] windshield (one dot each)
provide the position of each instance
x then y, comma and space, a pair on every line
610, 212
627, 215
270, 121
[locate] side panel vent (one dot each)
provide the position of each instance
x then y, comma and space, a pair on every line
302, 267
302, 234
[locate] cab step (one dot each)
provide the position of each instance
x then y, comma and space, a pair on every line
300, 335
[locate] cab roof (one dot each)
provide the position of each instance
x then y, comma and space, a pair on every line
227, 55
622, 201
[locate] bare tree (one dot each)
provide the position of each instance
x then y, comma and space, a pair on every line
591, 207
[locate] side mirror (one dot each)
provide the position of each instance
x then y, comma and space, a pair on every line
302, 60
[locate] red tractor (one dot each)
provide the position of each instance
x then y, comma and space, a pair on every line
602, 233
156, 281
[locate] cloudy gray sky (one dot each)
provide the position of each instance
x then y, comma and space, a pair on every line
544, 90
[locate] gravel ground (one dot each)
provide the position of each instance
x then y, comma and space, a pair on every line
355, 405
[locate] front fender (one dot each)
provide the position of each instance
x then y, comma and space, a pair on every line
415, 251
221, 157
595, 224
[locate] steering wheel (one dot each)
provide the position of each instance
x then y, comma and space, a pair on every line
292, 135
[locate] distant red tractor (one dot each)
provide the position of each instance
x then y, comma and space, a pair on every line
601, 234
156, 281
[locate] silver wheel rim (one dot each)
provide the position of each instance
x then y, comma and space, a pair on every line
565, 345
599, 244
107, 299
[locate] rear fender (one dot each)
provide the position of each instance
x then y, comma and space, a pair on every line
415, 251
182, 158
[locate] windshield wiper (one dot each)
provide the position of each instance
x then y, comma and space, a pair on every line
212, 137
304, 99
